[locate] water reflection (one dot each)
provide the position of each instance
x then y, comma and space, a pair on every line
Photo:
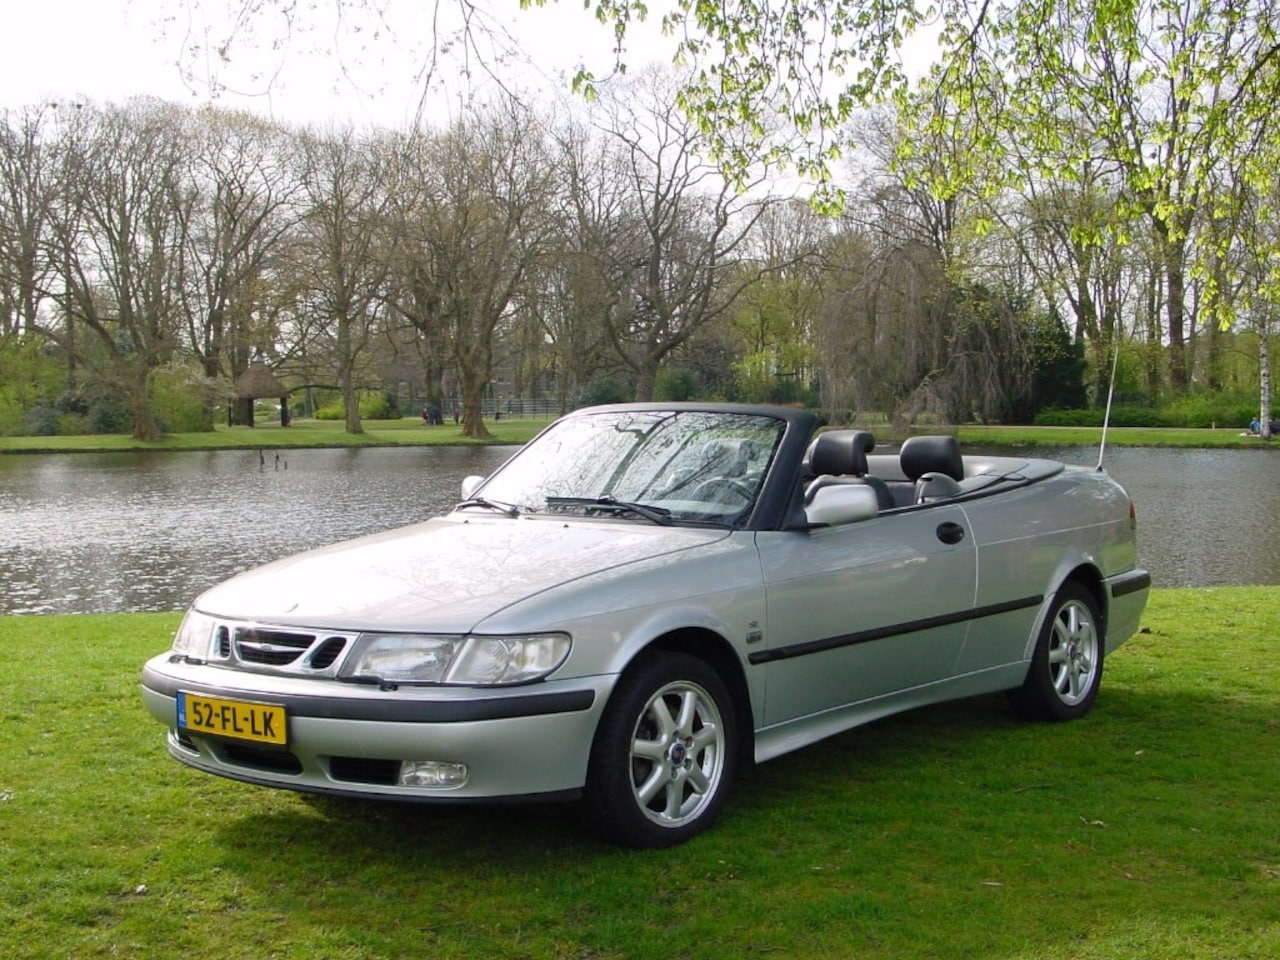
90, 533
1205, 517
98, 533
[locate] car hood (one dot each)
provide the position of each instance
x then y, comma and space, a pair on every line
445, 575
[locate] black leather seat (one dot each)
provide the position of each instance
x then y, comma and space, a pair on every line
934, 465
840, 457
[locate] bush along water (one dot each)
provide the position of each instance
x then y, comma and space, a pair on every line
1196, 413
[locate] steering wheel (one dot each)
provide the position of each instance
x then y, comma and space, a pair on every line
713, 489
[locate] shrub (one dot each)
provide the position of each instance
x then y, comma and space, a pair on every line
1196, 415
110, 415
604, 390
41, 420
182, 398
380, 406
676, 384
73, 425
373, 406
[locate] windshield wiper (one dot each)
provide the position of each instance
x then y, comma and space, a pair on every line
660, 515
505, 508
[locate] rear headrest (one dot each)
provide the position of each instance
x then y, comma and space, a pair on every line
840, 452
921, 455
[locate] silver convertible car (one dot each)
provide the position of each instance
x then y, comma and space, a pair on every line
644, 600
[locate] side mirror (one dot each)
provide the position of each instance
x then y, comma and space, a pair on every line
470, 485
842, 503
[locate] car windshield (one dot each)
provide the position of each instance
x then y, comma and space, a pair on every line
652, 465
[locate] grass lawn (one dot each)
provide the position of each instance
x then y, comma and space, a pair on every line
1151, 829
409, 431
1116, 436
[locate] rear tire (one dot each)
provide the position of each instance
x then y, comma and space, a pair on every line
1066, 666
665, 754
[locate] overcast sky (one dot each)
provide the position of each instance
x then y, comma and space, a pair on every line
363, 71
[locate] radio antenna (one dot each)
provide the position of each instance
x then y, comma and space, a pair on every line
1111, 392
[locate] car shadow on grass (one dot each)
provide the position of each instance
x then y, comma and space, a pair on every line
952, 755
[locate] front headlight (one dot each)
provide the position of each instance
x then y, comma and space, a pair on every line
487, 661
194, 636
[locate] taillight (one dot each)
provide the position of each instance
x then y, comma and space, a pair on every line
1133, 516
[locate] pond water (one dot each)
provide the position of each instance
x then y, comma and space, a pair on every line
103, 533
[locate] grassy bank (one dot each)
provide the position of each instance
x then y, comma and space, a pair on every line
1116, 436
410, 431
1149, 830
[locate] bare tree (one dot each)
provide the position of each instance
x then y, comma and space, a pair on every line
121, 202
342, 262
479, 227
25, 265
678, 266
573, 294
245, 210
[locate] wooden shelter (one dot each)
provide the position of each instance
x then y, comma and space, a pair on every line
255, 382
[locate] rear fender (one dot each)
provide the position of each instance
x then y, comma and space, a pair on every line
1081, 568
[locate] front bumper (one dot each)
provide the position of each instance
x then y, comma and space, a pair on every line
521, 742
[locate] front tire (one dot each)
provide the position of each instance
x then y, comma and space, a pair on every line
664, 755
1066, 666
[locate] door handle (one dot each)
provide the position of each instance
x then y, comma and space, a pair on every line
950, 532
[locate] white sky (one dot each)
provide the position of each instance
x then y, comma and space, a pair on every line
362, 72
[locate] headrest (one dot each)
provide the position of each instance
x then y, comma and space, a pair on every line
840, 452
727, 456
921, 455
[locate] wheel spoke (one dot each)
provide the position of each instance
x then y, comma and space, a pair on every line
698, 780
688, 711
704, 738
1062, 681
675, 799
1072, 622
656, 780
1072, 678
662, 717
651, 750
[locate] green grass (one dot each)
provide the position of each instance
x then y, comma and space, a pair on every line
1116, 436
1151, 829
408, 431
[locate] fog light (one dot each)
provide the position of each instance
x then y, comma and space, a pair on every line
432, 773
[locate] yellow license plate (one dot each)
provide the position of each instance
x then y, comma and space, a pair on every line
237, 719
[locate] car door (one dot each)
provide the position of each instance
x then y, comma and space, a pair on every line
863, 610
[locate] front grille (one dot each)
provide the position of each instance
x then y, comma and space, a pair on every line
275, 761
384, 773
301, 652
274, 648
327, 652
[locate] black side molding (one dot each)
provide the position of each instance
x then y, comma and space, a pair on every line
897, 629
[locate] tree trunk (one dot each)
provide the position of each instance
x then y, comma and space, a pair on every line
145, 427
346, 377
1175, 307
1264, 378
351, 403
473, 408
